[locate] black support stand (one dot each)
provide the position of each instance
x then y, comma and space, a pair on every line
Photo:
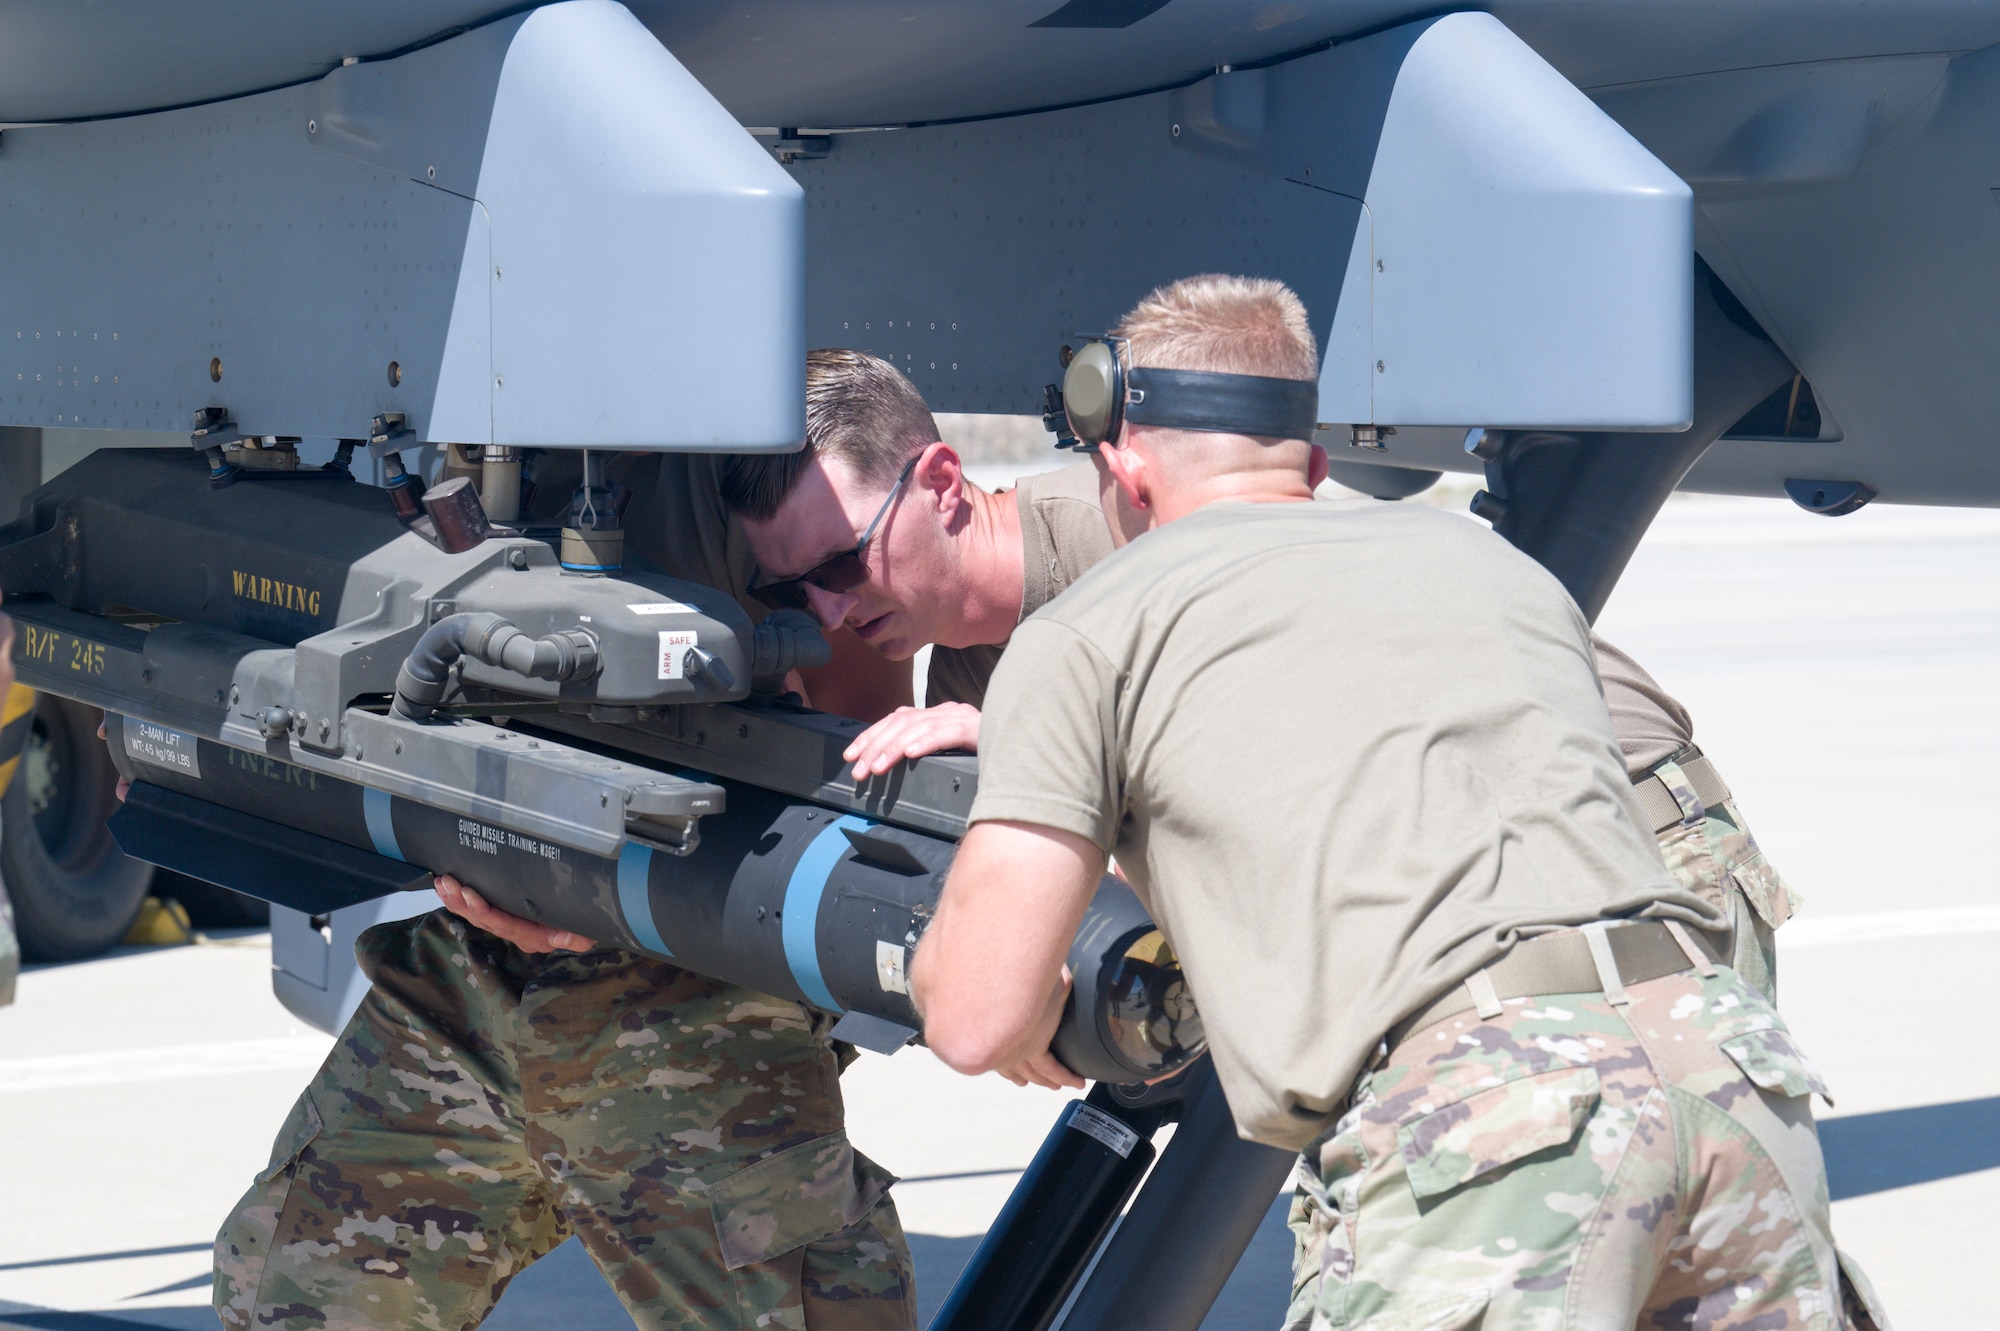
1168, 1259
1056, 1217
1189, 1226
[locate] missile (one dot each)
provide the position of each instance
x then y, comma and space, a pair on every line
776, 895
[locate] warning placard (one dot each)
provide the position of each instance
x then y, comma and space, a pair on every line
162, 747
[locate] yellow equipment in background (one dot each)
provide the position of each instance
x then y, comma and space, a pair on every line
17, 717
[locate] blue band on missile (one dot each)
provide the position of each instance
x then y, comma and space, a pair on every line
375, 806
635, 899
635, 866
802, 897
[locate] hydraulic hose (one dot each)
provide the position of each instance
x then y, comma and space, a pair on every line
487, 637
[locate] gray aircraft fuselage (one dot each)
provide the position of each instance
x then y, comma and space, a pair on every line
1840, 156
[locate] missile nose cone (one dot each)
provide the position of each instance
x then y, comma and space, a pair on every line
1149, 1011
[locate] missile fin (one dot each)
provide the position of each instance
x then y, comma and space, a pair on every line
883, 851
878, 1035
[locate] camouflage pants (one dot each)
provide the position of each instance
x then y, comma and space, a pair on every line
1718, 858
484, 1104
1572, 1164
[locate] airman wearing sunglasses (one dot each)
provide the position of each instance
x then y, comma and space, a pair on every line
874, 526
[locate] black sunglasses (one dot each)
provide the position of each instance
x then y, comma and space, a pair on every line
842, 572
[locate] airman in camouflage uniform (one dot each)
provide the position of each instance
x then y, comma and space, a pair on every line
486, 1103
1692, 1100
1710, 852
1709, 849
1716, 855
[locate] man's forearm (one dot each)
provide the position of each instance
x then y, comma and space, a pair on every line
994, 952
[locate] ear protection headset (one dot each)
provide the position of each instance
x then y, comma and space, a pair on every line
1099, 395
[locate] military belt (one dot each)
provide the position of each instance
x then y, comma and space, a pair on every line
1663, 807
1597, 958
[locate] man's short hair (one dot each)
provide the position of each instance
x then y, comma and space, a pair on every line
859, 409
1230, 325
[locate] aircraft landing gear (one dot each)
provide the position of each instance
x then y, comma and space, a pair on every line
74, 893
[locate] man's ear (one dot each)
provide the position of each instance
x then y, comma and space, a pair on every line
1128, 498
1316, 467
1127, 466
940, 475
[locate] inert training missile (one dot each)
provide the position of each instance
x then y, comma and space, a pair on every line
783, 897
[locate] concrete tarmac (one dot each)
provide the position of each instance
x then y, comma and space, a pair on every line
1839, 672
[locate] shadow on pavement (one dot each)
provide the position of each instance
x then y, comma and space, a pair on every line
564, 1289
119, 1255
47, 1319
1867, 1153
1253, 1300
939, 1260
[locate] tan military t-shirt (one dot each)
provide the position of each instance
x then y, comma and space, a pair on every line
1650, 723
1346, 757
1063, 532
679, 526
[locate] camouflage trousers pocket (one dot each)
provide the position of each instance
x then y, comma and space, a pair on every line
247, 1239
1774, 1062
1860, 1304
797, 1196
1445, 1147
1309, 1218
1763, 887
301, 1127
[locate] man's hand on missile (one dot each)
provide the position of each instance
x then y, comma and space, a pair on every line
1043, 1068
527, 935
123, 784
988, 977
912, 732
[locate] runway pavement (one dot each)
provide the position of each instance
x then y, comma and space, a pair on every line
1840, 673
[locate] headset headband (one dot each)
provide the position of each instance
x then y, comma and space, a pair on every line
1099, 396
1228, 403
